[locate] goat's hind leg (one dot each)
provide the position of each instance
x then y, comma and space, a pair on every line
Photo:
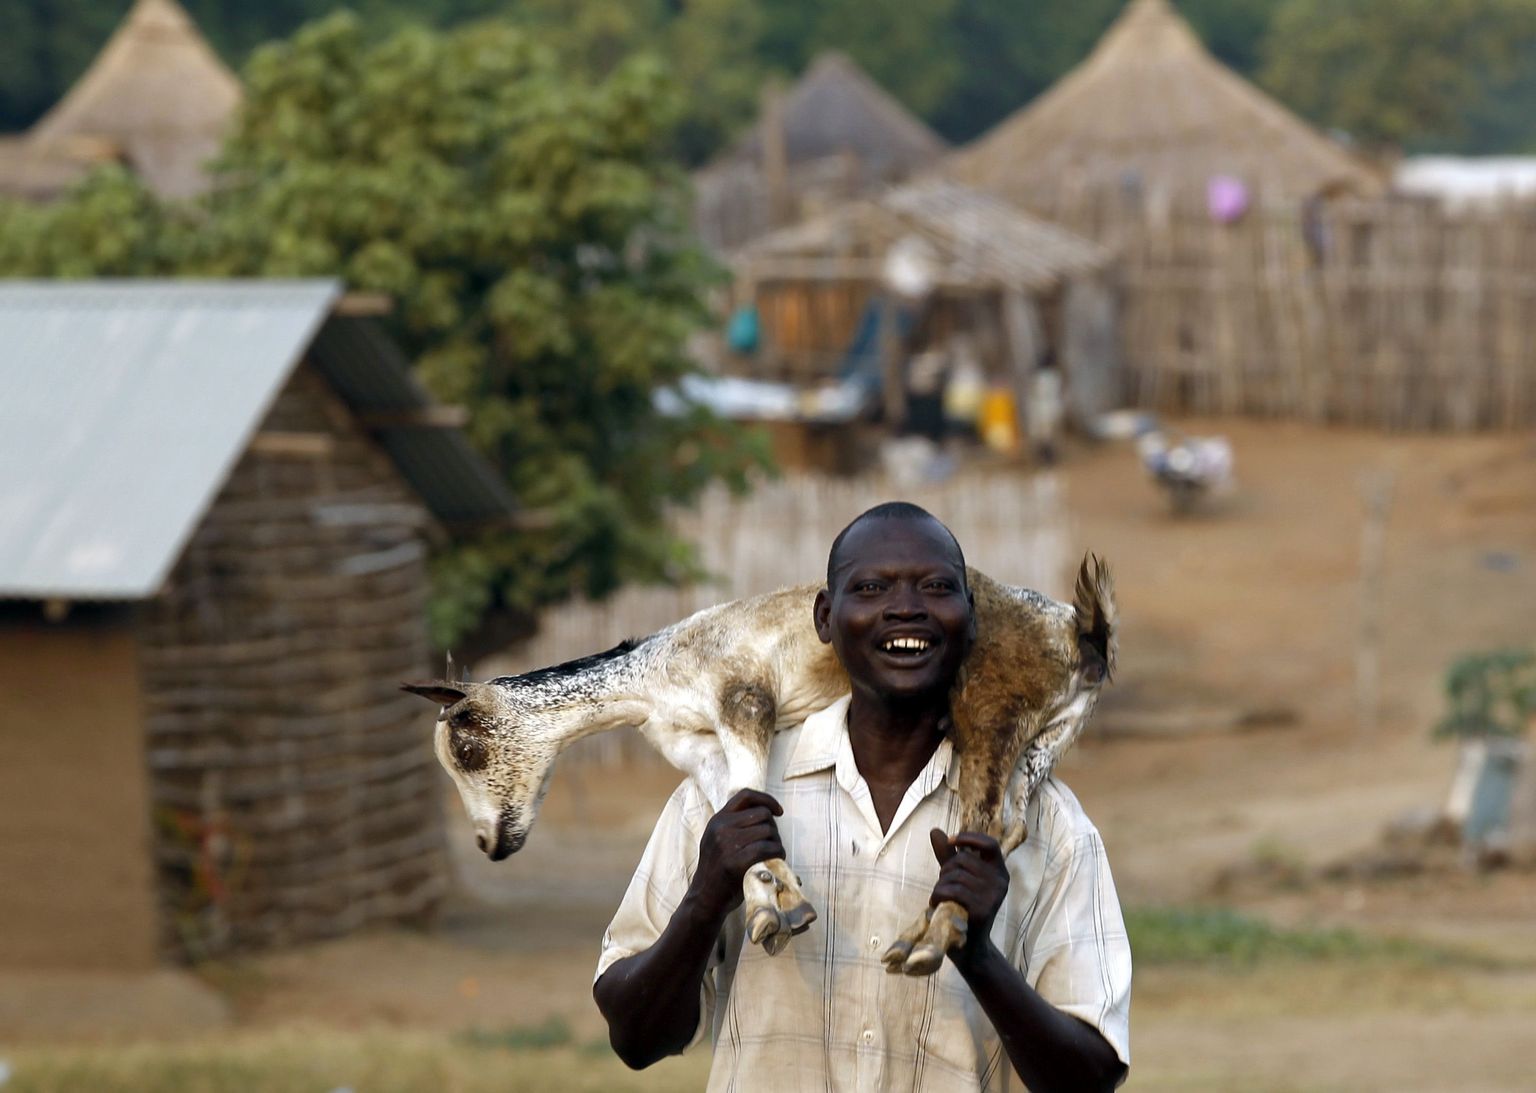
921, 949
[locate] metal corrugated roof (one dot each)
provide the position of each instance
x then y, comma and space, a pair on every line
125, 404
123, 407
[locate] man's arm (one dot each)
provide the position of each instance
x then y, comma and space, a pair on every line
1051, 1050
651, 1000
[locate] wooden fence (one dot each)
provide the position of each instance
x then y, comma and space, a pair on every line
1012, 525
1391, 314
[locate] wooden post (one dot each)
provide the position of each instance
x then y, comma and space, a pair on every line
894, 379
1376, 496
776, 157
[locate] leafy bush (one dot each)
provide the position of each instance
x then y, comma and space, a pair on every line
1490, 694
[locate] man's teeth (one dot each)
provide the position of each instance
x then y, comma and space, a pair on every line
910, 645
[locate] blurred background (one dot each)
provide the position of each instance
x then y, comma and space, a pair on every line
333, 340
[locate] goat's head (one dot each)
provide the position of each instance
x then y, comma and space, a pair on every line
500, 753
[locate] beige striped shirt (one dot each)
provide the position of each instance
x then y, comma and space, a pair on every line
824, 1014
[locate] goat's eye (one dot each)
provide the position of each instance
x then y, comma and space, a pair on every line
469, 753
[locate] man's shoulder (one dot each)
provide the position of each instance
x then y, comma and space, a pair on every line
1059, 816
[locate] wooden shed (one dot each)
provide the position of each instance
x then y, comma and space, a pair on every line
836, 134
157, 99
216, 505
1150, 115
1014, 291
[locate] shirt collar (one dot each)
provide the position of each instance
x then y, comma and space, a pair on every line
824, 737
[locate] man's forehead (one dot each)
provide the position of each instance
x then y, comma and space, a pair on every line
905, 540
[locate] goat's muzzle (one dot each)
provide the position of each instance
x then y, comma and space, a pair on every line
509, 839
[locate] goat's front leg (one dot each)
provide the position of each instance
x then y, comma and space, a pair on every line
774, 907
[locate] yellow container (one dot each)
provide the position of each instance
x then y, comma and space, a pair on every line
999, 421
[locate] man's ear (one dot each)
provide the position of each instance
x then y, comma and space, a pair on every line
970, 633
821, 615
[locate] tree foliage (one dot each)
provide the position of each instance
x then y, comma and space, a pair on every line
532, 235
1391, 71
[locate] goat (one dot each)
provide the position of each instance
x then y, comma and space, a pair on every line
709, 692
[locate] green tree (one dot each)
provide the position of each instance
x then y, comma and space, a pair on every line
1392, 71
710, 48
532, 237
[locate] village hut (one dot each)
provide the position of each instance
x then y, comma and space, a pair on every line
157, 99
218, 500
1151, 117
936, 271
834, 135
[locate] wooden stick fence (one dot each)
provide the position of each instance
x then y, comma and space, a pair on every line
1389, 314
1012, 526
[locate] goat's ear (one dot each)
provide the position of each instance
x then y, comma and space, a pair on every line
440, 691
1097, 620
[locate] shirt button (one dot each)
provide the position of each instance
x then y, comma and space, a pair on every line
874, 943
868, 1037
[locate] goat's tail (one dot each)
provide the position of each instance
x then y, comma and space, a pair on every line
1098, 636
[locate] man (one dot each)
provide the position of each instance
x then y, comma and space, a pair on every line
1044, 975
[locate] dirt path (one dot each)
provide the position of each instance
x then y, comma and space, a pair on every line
1251, 609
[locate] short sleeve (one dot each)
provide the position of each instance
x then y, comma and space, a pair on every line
1076, 953
660, 882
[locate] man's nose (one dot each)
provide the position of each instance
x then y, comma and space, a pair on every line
905, 603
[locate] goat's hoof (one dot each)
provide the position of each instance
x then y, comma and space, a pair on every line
764, 923
925, 960
896, 956
799, 917
774, 944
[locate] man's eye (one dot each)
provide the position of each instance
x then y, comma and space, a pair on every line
866, 586
941, 586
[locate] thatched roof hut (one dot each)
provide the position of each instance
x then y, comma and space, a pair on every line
157, 98
1152, 111
835, 134
975, 243
1014, 293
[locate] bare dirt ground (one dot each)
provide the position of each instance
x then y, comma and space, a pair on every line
1249, 612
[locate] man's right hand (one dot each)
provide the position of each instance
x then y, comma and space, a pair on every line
736, 838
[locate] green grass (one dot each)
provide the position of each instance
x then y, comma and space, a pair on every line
1220, 936
320, 1060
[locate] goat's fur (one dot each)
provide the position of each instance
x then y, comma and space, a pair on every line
709, 692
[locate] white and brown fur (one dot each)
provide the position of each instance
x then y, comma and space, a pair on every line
710, 691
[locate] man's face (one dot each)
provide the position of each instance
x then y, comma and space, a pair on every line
896, 610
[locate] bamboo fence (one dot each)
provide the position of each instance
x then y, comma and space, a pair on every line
1011, 525
1394, 315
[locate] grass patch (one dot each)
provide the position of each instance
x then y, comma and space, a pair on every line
552, 1033
1221, 936
318, 1060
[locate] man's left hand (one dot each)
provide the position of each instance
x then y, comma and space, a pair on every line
971, 873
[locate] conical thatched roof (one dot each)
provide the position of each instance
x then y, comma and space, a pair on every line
837, 108
1150, 107
843, 136
157, 93
972, 239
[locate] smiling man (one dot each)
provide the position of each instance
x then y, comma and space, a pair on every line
868, 795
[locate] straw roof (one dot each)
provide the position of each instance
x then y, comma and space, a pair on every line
30, 171
971, 240
1151, 107
157, 95
837, 108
